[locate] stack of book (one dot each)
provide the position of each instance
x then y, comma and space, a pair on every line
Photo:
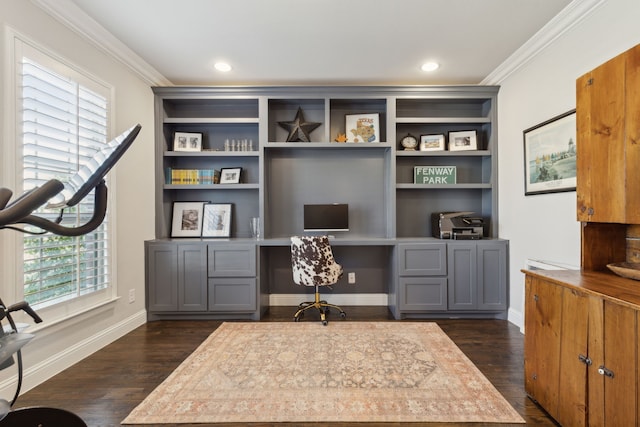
192, 176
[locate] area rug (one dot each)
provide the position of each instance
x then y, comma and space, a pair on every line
343, 372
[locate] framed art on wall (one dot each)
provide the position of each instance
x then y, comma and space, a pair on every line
463, 141
187, 219
187, 141
217, 220
550, 155
363, 127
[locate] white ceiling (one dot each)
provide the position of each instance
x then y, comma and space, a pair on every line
326, 42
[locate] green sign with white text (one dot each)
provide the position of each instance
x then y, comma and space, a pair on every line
434, 175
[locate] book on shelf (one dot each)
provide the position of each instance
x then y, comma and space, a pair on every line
192, 176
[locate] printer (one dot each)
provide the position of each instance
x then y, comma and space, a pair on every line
457, 225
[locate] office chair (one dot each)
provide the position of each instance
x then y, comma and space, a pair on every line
313, 265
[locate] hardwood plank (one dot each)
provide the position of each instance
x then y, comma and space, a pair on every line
103, 388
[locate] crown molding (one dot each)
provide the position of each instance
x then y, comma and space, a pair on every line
70, 15
74, 18
571, 15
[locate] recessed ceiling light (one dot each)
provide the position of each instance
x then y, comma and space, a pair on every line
222, 66
430, 66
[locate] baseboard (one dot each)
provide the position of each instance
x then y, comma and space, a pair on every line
516, 318
39, 373
338, 299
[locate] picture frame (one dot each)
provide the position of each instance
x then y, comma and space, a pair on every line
432, 142
187, 141
362, 127
187, 219
216, 220
230, 175
550, 155
463, 140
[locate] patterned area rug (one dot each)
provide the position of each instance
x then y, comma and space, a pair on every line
305, 372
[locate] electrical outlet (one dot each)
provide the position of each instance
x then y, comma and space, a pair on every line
132, 295
352, 278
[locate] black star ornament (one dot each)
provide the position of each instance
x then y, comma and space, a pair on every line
299, 129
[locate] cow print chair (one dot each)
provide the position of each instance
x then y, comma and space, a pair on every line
313, 265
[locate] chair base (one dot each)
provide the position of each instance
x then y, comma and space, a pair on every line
322, 306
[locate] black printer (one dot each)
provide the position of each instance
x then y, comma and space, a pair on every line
457, 225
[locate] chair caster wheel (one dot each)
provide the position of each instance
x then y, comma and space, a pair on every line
296, 319
325, 322
343, 314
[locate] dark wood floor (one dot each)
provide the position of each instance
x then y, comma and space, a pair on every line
103, 388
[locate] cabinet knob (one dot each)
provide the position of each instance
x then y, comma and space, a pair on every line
536, 297
604, 371
584, 359
590, 211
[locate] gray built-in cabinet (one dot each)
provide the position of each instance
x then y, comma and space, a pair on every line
389, 243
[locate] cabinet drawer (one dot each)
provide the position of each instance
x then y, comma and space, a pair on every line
231, 260
422, 259
423, 293
232, 294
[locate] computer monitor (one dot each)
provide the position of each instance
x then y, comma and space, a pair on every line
326, 217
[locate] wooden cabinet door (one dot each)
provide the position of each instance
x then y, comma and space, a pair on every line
608, 146
574, 358
543, 317
632, 140
613, 376
600, 143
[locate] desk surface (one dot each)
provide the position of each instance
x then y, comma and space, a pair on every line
337, 241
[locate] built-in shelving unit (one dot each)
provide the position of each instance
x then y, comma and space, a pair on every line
376, 179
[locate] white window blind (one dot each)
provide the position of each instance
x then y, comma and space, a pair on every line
63, 123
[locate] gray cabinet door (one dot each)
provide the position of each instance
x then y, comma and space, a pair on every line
462, 276
232, 294
192, 277
492, 275
232, 260
162, 277
422, 259
422, 294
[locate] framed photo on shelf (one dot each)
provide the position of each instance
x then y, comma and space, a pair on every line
187, 141
432, 142
463, 141
550, 155
363, 127
187, 219
217, 220
230, 175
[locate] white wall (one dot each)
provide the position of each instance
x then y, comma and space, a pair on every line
131, 198
545, 226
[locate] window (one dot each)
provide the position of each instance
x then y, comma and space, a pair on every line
62, 121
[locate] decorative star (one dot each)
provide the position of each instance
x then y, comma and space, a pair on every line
342, 137
299, 129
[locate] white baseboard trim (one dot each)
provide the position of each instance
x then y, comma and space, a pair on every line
516, 318
338, 299
39, 373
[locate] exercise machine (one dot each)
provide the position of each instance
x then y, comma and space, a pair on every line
52, 194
